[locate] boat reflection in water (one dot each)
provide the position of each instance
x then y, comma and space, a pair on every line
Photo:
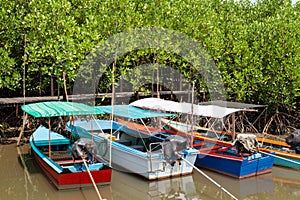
192, 187
130, 186
241, 189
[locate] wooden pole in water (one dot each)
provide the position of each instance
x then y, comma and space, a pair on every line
24, 165
22, 129
92, 179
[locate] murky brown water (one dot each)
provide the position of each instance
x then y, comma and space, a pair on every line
26, 182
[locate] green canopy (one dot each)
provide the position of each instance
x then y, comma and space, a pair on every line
132, 112
59, 108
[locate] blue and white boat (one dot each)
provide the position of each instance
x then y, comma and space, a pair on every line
132, 149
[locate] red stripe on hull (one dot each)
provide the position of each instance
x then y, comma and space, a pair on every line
75, 179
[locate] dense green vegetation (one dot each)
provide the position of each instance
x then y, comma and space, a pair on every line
255, 46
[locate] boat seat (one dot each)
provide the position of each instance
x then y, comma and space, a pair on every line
59, 155
124, 142
138, 147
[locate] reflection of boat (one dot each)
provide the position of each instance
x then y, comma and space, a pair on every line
240, 188
214, 154
52, 151
286, 175
132, 150
133, 187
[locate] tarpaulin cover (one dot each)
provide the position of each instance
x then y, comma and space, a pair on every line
188, 108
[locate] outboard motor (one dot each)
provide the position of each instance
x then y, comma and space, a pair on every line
246, 143
172, 145
82, 148
294, 140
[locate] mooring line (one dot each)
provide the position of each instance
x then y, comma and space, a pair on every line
213, 181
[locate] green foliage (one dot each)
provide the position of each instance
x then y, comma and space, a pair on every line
255, 46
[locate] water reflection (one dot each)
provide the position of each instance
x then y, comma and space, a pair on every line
21, 179
241, 189
130, 186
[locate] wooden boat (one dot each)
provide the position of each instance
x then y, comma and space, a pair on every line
134, 151
214, 154
283, 154
53, 154
228, 161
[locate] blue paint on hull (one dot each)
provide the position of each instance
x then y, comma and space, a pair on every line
238, 168
285, 163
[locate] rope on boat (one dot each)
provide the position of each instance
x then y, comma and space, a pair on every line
209, 178
89, 172
280, 157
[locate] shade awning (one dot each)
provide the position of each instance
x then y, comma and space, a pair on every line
132, 112
59, 108
230, 104
187, 108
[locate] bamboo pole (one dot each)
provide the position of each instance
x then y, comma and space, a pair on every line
27, 175
92, 179
22, 129
233, 126
65, 86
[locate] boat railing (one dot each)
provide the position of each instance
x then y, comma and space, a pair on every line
153, 147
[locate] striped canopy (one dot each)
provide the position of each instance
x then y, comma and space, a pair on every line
59, 108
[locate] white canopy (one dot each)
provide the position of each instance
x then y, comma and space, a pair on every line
188, 108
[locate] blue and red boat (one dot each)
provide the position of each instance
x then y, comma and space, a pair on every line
53, 151
224, 158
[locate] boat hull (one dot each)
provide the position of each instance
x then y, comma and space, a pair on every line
65, 173
284, 159
236, 167
72, 180
151, 168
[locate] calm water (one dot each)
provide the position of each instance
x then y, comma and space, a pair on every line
26, 182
